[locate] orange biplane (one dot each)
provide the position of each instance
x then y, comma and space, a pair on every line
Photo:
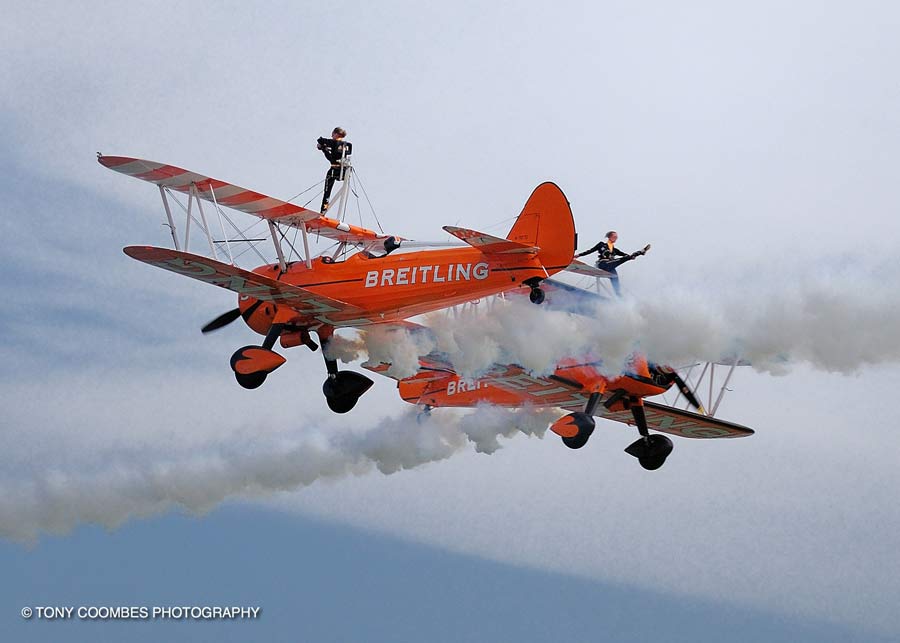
576, 385
287, 300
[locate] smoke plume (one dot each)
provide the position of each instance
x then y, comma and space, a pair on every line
836, 323
123, 485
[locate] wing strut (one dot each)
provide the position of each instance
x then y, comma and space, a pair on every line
172, 229
281, 264
219, 214
212, 246
306, 246
709, 370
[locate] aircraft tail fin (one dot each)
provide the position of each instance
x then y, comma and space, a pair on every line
546, 223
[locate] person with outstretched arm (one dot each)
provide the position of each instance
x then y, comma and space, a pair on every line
609, 257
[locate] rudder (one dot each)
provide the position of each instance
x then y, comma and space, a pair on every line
546, 222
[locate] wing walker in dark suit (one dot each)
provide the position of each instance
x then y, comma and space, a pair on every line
337, 151
609, 257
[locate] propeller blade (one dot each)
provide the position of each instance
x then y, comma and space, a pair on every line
687, 392
222, 320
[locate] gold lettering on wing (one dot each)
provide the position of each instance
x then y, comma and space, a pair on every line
186, 267
316, 306
705, 432
666, 422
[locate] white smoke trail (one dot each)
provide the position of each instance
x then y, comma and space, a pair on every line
125, 485
838, 323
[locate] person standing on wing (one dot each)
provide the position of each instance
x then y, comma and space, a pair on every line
338, 152
609, 257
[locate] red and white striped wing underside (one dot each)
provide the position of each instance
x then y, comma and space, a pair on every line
238, 198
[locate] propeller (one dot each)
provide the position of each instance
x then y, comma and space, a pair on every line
226, 318
687, 392
222, 320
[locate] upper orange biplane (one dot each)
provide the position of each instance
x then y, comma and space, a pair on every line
287, 300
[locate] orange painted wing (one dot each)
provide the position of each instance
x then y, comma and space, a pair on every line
308, 304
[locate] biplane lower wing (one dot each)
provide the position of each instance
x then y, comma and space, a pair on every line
688, 424
668, 419
308, 304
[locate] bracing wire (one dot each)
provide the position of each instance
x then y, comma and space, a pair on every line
358, 209
371, 207
306, 190
291, 244
315, 196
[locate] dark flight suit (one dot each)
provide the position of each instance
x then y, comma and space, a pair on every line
335, 151
609, 260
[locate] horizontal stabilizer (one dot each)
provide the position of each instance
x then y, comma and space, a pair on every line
489, 244
581, 268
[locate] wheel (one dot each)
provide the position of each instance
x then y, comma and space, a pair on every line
341, 404
253, 380
660, 446
346, 383
585, 424
651, 451
578, 441
344, 389
536, 296
652, 463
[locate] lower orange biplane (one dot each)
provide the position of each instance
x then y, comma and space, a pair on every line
362, 283
575, 385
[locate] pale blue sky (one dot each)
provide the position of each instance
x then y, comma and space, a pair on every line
322, 582
748, 144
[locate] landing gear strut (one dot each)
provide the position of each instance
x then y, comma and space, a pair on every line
650, 450
342, 389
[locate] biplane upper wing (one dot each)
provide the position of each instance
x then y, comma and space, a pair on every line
241, 199
490, 244
307, 303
